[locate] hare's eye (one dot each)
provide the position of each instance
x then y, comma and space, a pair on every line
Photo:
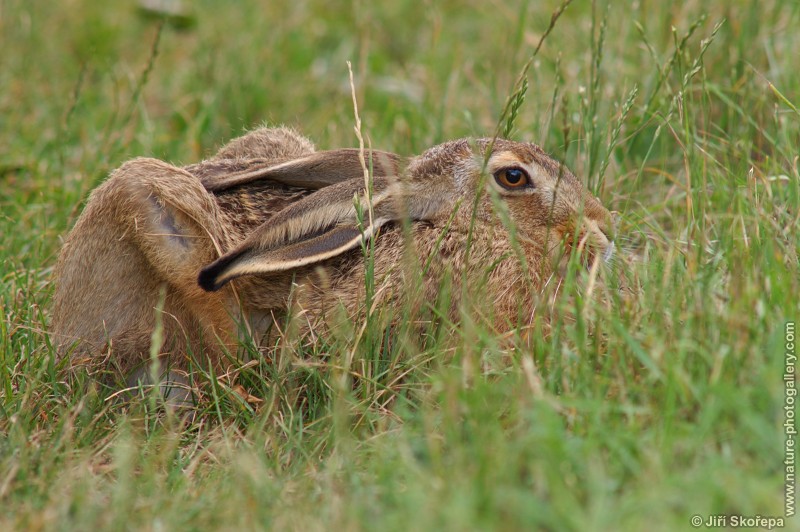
512, 178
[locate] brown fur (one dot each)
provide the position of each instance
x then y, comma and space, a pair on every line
153, 226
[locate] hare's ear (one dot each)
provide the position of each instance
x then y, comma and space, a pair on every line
313, 171
318, 227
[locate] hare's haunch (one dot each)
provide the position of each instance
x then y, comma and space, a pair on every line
223, 240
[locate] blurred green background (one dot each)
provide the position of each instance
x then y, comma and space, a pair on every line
638, 414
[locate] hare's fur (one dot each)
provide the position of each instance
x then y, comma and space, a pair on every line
152, 227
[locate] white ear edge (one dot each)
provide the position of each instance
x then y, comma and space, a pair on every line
314, 220
255, 265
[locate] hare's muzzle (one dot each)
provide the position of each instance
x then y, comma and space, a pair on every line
594, 240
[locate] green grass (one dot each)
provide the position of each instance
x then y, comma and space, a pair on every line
623, 410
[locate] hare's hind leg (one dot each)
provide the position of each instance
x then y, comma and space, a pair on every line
145, 232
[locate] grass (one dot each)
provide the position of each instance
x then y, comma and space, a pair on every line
631, 410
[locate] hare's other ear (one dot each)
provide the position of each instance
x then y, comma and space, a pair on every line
318, 227
313, 171
174, 222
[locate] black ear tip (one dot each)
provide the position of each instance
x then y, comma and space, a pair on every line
211, 278
208, 279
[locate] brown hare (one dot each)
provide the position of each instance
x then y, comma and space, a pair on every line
282, 221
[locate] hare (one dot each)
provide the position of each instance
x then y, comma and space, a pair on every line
220, 246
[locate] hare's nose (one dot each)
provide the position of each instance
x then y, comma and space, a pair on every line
609, 227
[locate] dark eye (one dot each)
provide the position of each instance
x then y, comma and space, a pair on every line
512, 178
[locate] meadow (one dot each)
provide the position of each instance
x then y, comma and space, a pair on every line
657, 397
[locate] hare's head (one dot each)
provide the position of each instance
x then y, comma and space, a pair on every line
545, 203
